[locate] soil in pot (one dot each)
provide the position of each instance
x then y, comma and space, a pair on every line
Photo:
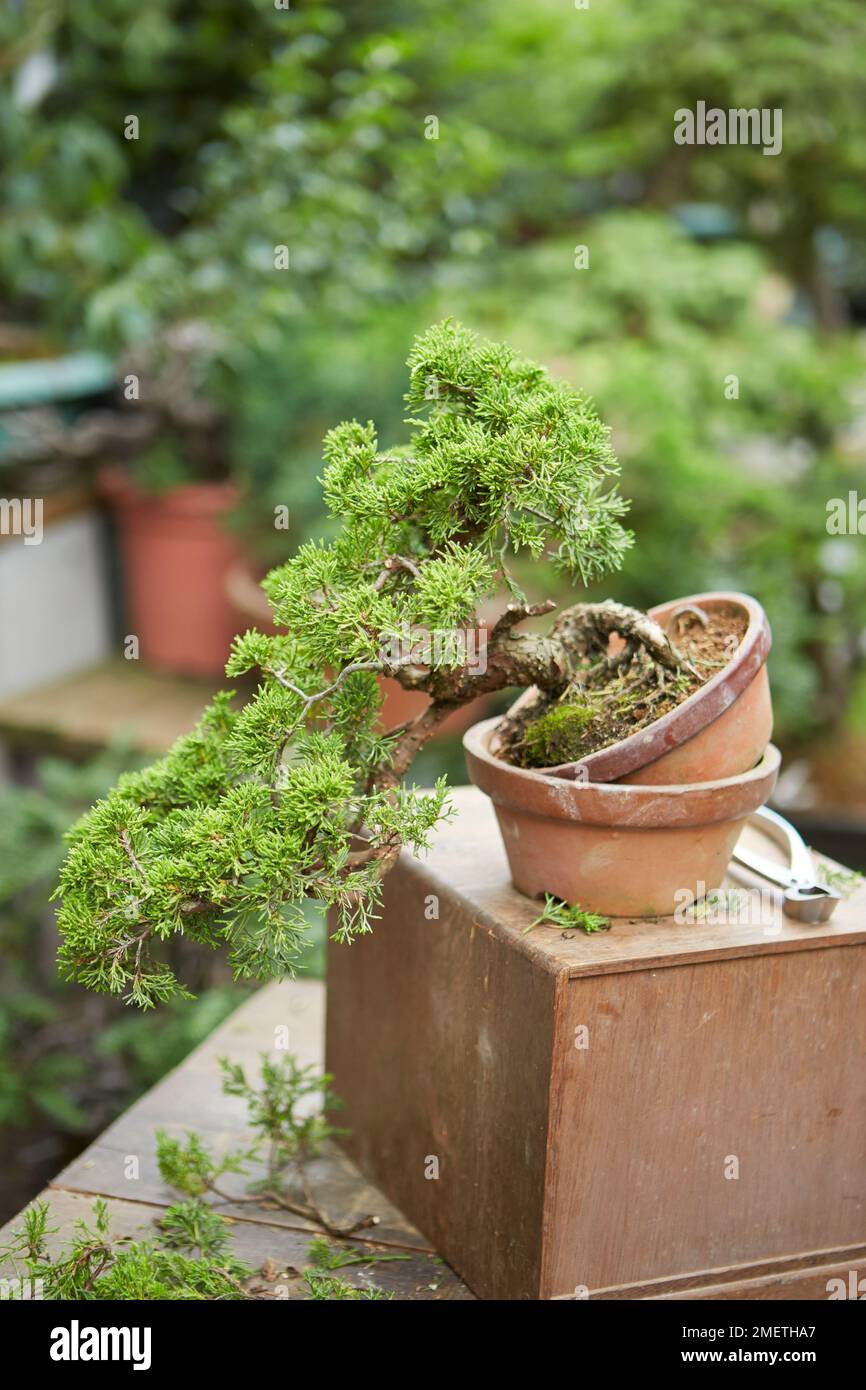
610, 702
670, 719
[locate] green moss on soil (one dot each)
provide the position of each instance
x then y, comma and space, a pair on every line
558, 735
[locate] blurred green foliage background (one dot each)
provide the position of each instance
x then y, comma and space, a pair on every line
310, 128
420, 159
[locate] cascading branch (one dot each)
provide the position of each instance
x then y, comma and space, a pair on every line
298, 795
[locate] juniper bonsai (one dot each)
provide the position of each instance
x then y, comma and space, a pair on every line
299, 794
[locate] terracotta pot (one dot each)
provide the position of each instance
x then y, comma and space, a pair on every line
720, 730
625, 851
176, 557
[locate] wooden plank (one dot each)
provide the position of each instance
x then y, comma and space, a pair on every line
467, 865
191, 1098
123, 699
290, 1014
341, 1193
419, 1277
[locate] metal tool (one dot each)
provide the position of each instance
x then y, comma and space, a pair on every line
805, 898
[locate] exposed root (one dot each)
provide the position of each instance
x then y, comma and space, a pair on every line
588, 627
608, 690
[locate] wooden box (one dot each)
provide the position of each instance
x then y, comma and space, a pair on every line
659, 1111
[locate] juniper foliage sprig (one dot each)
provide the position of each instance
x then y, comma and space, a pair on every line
190, 1257
260, 809
571, 917
190, 1167
94, 1266
289, 1132
285, 1131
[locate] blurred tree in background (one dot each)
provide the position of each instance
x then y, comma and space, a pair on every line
729, 490
415, 159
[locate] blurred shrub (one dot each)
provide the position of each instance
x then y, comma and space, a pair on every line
70, 1062
258, 129
729, 491
306, 128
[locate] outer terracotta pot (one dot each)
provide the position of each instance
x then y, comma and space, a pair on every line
622, 850
176, 557
720, 730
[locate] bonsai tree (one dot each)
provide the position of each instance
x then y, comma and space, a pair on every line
299, 794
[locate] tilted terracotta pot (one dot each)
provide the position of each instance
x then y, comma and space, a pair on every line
720, 730
621, 850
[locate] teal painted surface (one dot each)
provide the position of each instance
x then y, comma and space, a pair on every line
54, 379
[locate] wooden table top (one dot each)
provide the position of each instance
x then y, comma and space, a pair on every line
123, 700
191, 1098
467, 861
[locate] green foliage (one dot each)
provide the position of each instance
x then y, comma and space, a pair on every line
328, 1287
286, 1131
301, 128
34, 819
760, 58
148, 1047
325, 1257
260, 809
557, 736
63, 1068
93, 1267
306, 128
190, 1256
571, 917
842, 881
727, 491
720, 905
38, 1085
190, 1167
195, 1228
289, 1130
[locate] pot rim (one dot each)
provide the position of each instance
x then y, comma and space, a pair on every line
694, 714
205, 498
637, 806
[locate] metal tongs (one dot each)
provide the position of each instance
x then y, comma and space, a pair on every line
805, 897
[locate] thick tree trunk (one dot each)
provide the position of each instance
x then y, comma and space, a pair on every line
548, 661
